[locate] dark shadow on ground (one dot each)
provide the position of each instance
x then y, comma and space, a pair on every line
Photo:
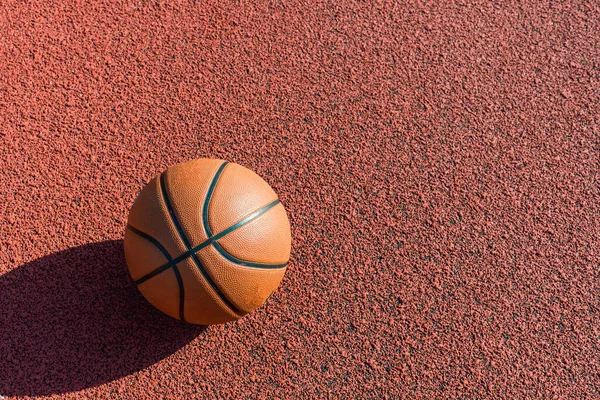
74, 319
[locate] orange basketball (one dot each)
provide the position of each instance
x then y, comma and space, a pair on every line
207, 241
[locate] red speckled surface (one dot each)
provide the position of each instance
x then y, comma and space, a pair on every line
439, 162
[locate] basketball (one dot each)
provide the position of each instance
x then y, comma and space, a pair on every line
207, 241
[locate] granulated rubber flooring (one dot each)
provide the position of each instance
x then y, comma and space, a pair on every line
439, 162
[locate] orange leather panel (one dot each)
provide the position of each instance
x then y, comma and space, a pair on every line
163, 292
141, 255
235, 289
238, 193
248, 288
187, 185
267, 239
149, 215
202, 305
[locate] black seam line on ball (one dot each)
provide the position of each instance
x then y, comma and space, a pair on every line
211, 241
181, 293
169, 259
244, 263
174, 261
252, 216
151, 240
199, 265
165, 196
209, 194
243, 222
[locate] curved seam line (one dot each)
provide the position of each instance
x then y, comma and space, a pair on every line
199, 265
169, 259
206, 243
174, 261
239, 224
154, 273
243, 222
165, 197
151, 240
244, 263
181, 292
209, 194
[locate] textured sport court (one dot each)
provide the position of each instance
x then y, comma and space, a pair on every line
438, 161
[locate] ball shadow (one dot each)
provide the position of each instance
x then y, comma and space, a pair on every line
74, 320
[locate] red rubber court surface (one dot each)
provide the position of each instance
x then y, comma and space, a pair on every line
439, 161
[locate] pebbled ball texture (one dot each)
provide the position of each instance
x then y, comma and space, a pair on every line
207, 241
